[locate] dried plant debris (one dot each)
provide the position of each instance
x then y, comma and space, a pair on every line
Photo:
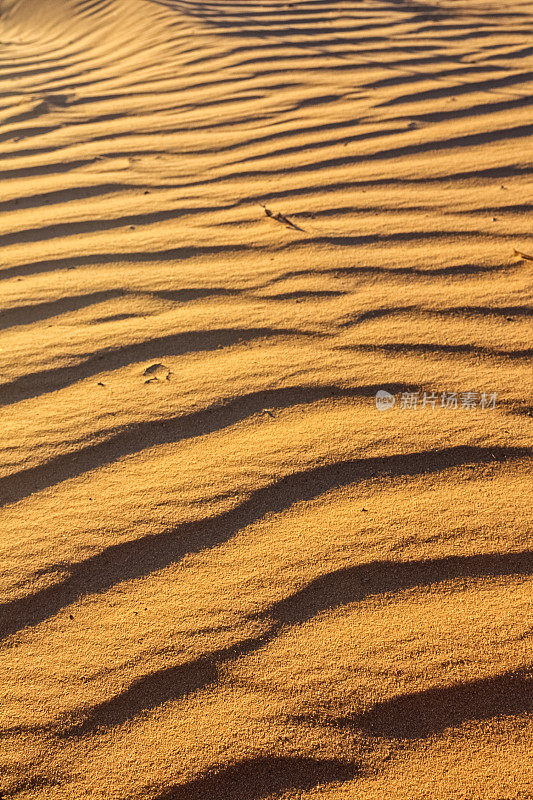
280, 218
522, 255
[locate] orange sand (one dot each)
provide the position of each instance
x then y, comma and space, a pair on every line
225, 226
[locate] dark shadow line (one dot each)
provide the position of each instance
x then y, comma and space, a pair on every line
353, 584
326, 593
37, 383
80, 227
124, 441
261, 777
59, 196
391, 272
26, 315
430, 712
189, 295
140, 557
472, 111
165, 685
131, 257
497, 173
323, 294
435, 349
436, 145
460, 89
465, 311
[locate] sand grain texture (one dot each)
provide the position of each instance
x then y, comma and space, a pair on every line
224, 226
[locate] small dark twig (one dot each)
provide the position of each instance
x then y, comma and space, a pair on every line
281, 218
523, 255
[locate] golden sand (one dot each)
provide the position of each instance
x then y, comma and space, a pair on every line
225, 226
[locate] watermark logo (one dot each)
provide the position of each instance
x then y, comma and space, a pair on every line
436, 399
384, 400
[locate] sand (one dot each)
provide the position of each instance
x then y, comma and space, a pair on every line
224, 227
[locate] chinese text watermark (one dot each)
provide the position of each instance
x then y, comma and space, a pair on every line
436, 399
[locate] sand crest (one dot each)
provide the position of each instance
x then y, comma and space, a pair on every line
265, 376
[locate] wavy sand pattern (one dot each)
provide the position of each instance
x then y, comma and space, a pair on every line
224, 226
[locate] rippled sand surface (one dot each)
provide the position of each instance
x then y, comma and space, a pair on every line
224, 227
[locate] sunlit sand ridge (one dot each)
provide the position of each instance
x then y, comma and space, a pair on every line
224, 227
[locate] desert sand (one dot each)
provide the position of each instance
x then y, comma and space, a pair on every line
225, 573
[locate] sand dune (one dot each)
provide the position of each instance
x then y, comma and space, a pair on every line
224, 228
